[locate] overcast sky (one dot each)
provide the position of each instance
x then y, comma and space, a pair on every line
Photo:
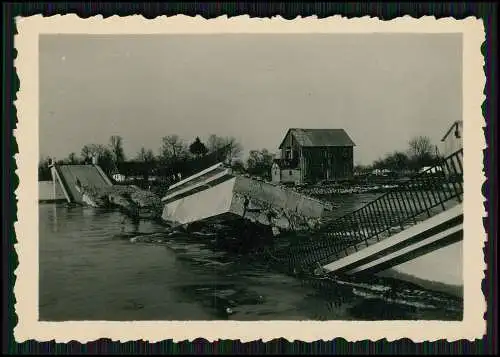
382, 89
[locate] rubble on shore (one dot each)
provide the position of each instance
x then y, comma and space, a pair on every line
131, 199
346, 189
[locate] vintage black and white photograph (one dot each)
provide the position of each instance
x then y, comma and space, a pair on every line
251, 176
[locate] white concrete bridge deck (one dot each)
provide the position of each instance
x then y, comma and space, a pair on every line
433, 233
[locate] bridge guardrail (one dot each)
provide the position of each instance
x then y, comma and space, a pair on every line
424, 195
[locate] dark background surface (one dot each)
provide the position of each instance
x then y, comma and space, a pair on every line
485, 10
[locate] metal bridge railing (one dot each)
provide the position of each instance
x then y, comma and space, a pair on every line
424, 195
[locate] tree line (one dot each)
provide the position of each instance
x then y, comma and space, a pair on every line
419, 153
172, 151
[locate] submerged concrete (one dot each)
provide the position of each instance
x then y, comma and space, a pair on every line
89, 185
49, 192
71, 179
130, 199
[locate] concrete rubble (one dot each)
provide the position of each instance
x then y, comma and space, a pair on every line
131, 199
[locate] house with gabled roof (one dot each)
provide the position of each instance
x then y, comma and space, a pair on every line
312, 155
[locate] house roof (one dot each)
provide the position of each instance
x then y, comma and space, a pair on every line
320, 137
452, 127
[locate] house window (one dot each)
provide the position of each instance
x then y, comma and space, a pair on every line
290, 173
345, 153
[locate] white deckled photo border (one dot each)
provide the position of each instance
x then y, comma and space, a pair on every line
471, 327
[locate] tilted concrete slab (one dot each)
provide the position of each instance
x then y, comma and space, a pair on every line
89, 175
203, 204
436, 241
218, 191
429, 233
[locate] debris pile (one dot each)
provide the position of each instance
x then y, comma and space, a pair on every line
131, 199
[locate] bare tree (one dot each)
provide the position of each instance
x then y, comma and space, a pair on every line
116, 147
88, 150
172, 148
141, 154
72, 159
145, 155
421, 151
234, 148
102, 153
420, 147
259, 162
215, 143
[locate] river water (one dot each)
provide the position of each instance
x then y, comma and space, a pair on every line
94, 266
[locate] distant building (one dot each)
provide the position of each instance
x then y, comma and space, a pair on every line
283, 171
119, 177
381, 172
452, 141
311, 155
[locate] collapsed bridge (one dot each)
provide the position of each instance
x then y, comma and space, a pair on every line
422, 215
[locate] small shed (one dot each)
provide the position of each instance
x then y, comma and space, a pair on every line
283, 171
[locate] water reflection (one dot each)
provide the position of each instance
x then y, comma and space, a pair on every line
53, 218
